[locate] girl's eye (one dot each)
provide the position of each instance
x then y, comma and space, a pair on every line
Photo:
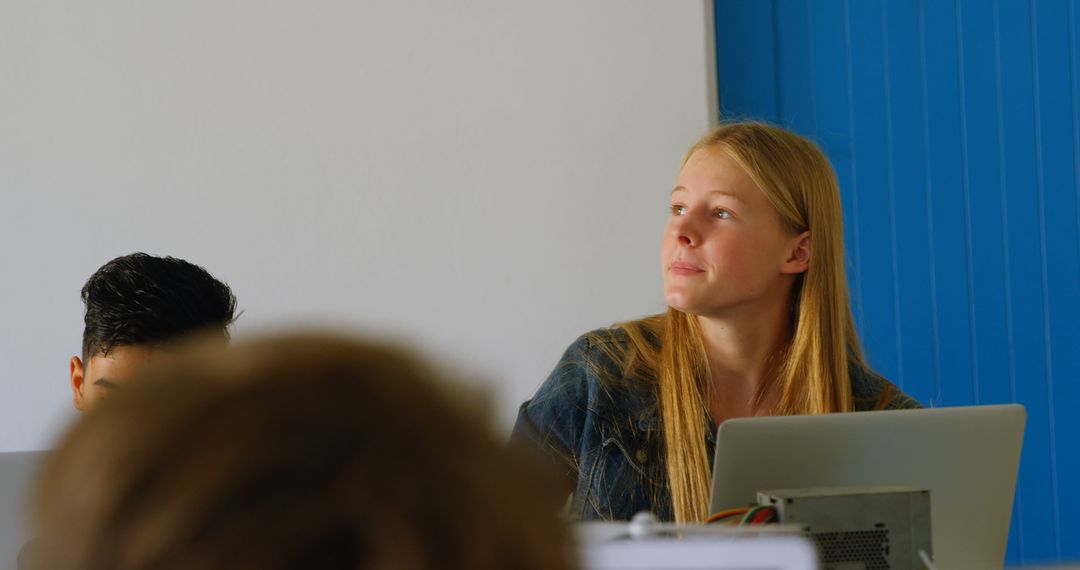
677, 210
723, 214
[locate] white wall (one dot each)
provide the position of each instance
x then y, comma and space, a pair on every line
487, 178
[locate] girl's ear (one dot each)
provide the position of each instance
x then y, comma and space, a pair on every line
799, 259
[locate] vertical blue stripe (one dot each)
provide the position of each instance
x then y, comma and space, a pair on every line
911, 235
1075, 108
1068, 463
945, 132
746, 29
984, 204
1040, 193
1003, 197
890, 182
1016, 530
1073, 92
871, 187
934, 399
853, 189
794, 66
779, 80
813, 74
967, 203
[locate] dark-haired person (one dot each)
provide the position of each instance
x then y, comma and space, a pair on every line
135, 304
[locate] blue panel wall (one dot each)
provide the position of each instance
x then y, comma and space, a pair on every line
953, 127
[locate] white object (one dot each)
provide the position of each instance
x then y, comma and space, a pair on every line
967, 457
642, 525
762, 553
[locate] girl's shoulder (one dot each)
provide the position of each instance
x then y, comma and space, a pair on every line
615, 349
592, 376
597, 357
613, 337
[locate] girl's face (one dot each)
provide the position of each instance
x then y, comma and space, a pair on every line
725, 249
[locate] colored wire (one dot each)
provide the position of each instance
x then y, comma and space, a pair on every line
749, 516
728, 513
764, 516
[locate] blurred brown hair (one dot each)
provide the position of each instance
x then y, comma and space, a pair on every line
295, 452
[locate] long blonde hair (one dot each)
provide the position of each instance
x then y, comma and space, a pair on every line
812, 370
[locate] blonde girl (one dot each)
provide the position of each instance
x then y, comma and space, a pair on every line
758, 323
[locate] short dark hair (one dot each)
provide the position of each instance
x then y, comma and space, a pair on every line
143, 299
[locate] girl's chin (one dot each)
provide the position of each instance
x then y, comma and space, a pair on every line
680, 303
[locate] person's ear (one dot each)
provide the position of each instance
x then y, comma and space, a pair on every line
798, 260
78, 380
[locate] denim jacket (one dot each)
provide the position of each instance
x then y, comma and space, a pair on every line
602, 431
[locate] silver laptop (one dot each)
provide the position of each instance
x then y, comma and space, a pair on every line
968, 457
18, 471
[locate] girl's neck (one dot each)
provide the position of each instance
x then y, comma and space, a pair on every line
742, 354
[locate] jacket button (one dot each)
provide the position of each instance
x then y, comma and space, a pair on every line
641, 456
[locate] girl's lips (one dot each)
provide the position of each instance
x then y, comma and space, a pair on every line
683, 268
